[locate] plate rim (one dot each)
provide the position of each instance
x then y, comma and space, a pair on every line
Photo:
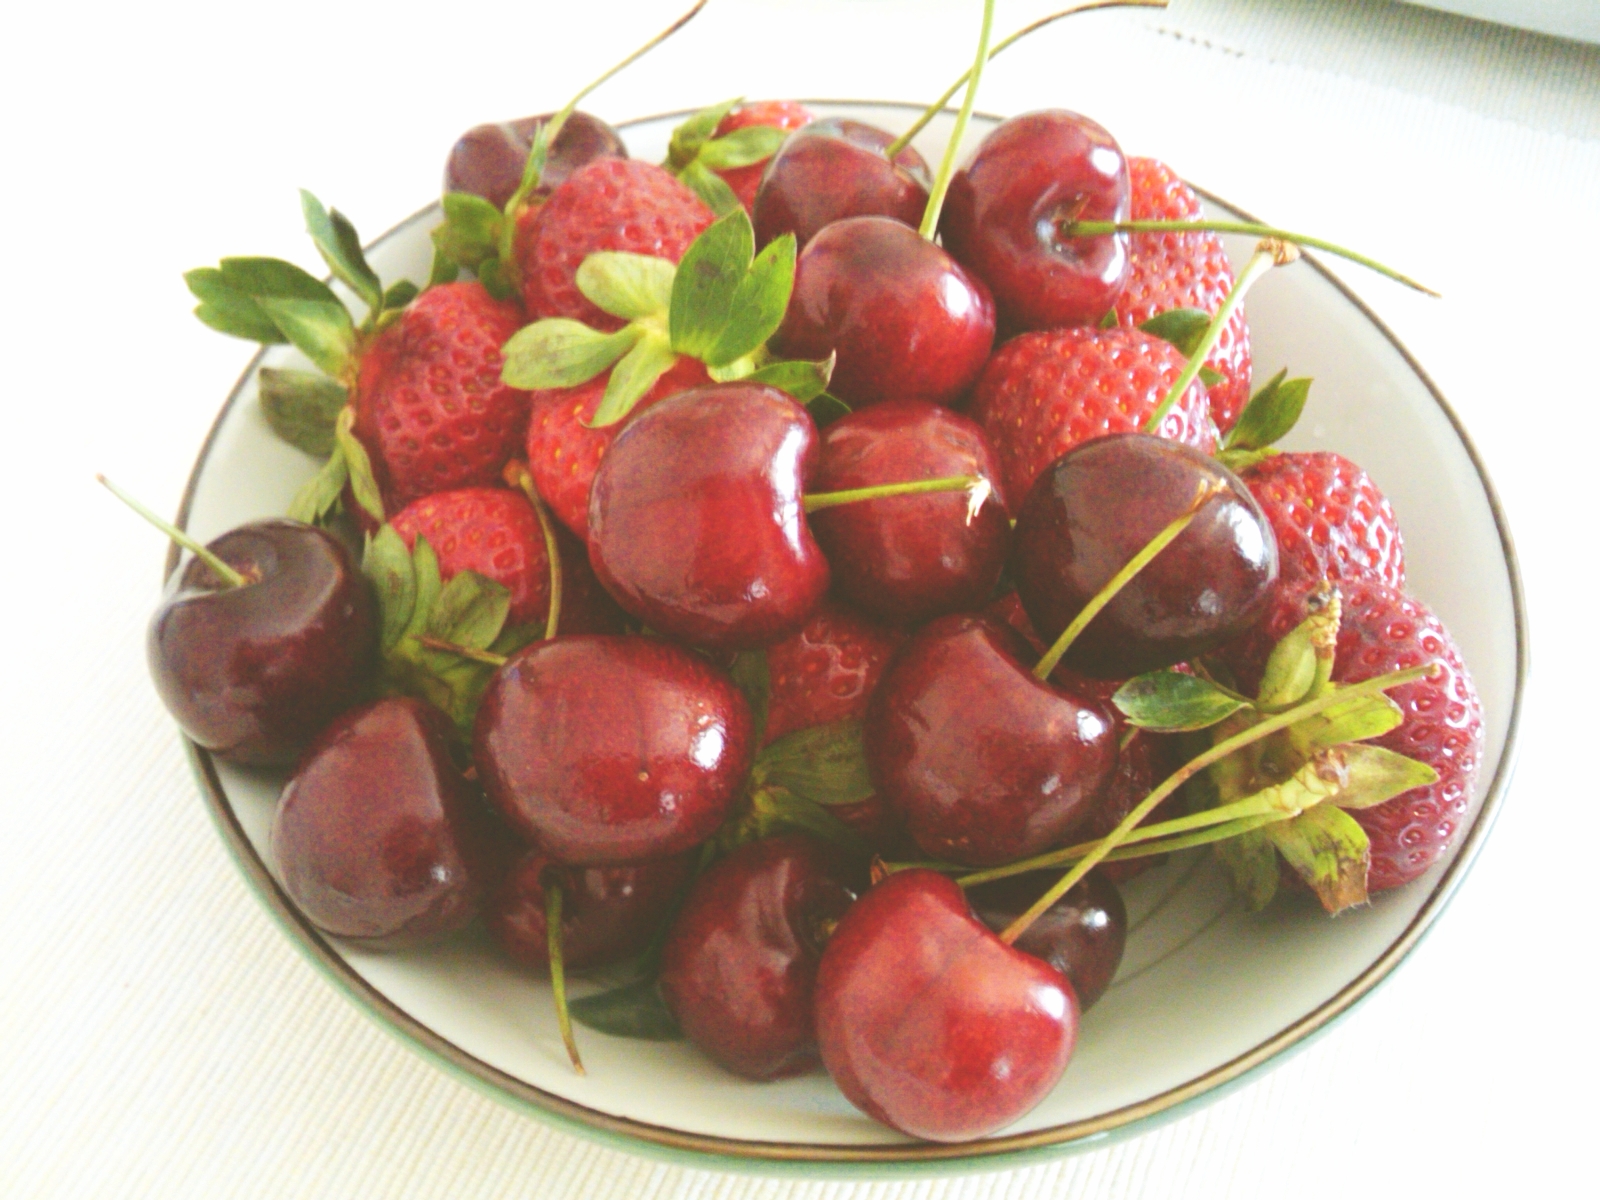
889, 1159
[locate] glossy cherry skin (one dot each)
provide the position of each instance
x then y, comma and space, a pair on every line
696, 523
488, 160
1097, 506
833, 169
254, 673
1006, 209
929, 1022
985, 763
378, 837
908, 559
1082, 935
612, 749
906, 320
608, 913
740, 964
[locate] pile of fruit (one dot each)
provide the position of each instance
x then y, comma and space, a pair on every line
816, 581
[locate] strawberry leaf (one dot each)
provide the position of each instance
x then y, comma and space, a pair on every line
826, 408
1327, 849
805, 381
444, 269
471, 611
387, 563
695, 132
340, 247
774, 810
1377, 775
758, 305
633, 376
260, 277
1253, 867
470, 234
1172, 702
1271, 413
492, 274
750, 676
708, 277
634, 1010
320, 496
425, 570
825, 764
742, 148
302, 408
558, 353
1210, 377
627, 285
228, 310
1183, 327
1353, 719
363, 485
711, 188
400, 294
320, 329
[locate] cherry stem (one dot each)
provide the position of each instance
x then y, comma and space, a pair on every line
558, 971
517, 475
933, 110
482, 656
1267, 256
533, 172
941, 185
1052, 657
1367, 687
977, 485
1254, 229
219, 568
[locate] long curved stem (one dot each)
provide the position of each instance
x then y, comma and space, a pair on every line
915, 487
941, 185
219, 568
558, 971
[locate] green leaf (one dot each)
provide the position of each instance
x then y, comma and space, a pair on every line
302, 408
750, 676
229, 311
387, 563
1329, 851
708, 277
1271, 413
444, 270
627, 285
425, 570
1237, 460
711, 188
363, 485
260, 277
401, 294
1377, 775
776, 810
1109, 321
759, 303
634, 375
340, 247
1291, 670
470, 234
558, 352
805, 381
827, 408
471, 611
1172, 702
688, 137
1209, 377
634, 1010
826, 764
1183, 327
1351, 720
320, 496
1252, 866
742, 148
320, 329
492, 274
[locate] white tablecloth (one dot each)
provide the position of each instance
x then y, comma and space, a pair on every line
158, 1036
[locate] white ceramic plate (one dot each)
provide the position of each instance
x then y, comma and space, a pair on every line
1206, 994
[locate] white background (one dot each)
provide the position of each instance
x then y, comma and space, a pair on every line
158, 1036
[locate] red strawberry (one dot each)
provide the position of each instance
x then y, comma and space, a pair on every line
827, 671
564, 452
496, 533
778, 114
1044, 393
430, 406
1184, 270
609, 204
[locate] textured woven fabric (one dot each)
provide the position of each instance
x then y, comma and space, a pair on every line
158, 1034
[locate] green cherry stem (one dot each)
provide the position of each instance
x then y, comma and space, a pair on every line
937, 107
1367, 687
516, 474
941, 185
1100, 228
219, 568
1268, 254
1105, 595
976, 485
482, 656
558, 971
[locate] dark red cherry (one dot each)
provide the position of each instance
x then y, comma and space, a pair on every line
696, 523
1097, 506
929, 1022
488, 160
608, 913
253, 673
1007, 209
836, 168
1082, 935
612, 749
906, 320
985, 763
907, 559
740, 964
378, 836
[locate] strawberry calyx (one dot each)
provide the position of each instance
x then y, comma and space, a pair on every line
719, 305
695, 154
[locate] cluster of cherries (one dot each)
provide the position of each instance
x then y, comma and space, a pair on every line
750, 602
